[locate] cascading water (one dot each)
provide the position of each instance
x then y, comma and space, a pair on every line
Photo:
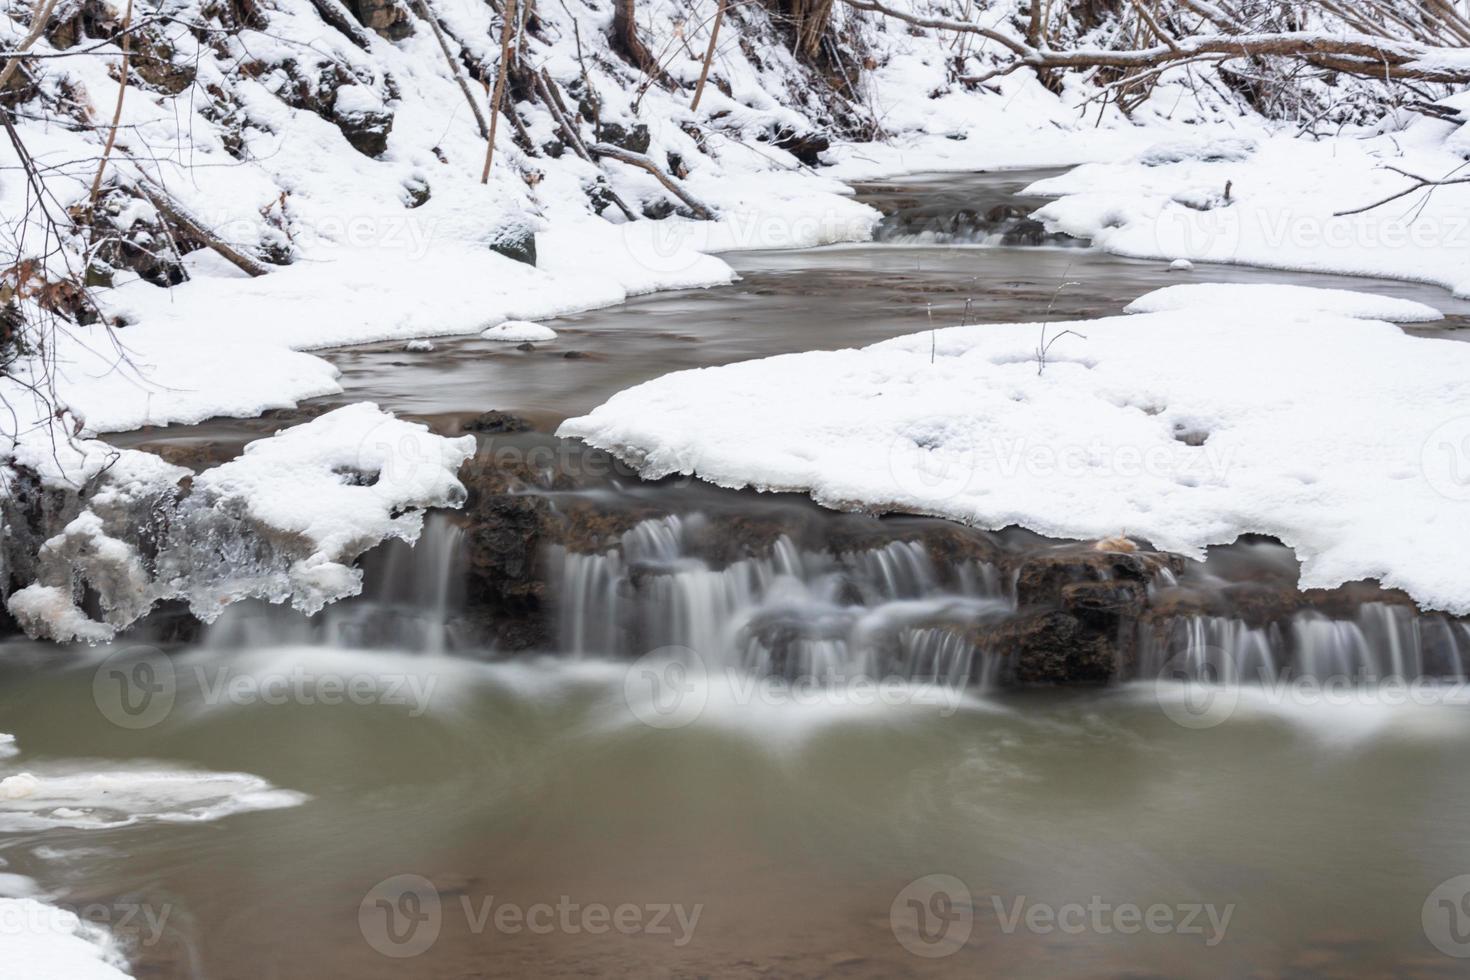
829, 615
411, 595
791, 612
1382, 642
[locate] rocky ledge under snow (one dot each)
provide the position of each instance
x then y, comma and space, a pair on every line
1220, 416
283, 522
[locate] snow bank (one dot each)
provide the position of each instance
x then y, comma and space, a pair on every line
284, 522
1277, 205
518, 332
1185, 428
42, 942
1276, 299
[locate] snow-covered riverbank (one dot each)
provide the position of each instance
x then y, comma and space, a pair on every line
1232, 410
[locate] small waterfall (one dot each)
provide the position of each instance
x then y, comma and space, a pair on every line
793, 613
409, 595
1000, 226
1382, 642
1214, 648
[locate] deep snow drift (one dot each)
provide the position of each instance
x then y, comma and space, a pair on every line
1187, 428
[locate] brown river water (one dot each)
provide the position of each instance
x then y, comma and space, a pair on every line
479, 816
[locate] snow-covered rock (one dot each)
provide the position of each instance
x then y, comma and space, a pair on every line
1343, 437
518, 332
284, 522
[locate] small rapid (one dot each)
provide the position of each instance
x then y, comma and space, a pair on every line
793, 613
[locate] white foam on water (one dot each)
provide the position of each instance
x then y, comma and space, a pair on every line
97, 795
1343, 715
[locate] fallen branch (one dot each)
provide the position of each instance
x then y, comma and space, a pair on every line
428, 15
644, 163
547, 89
180, 216
337, 15
1420, 183
1353, 54
1359, 54
944, 24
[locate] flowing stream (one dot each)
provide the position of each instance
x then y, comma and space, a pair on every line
849, 782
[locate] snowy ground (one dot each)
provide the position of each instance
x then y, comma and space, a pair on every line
1237, 410
1271, 199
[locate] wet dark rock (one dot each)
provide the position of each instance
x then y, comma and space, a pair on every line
88, 19
356, 106
1040, 578
416, 193
1027, 232
1053, 648
387, 18
154, 60
807, 147
510, 526
367, 131
518, 244
144, 245
507, 586
498, 422
599, 196
658, 210
635, 138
